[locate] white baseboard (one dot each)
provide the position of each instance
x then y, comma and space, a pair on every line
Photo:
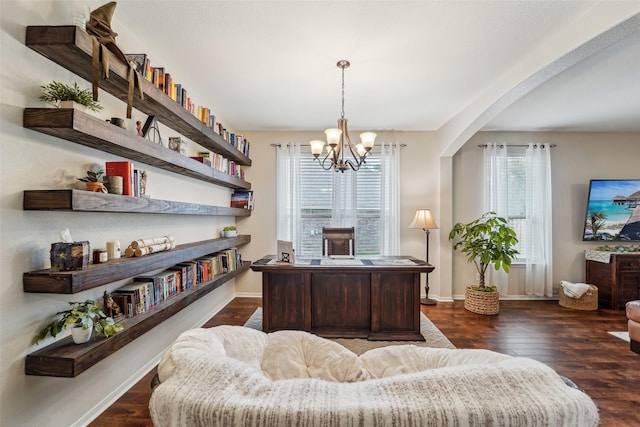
116, 394
249, 294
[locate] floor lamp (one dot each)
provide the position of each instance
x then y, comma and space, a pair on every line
424, 220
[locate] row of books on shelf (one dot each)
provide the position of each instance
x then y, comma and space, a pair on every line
163, 80
238, 141
145, 292
242, 199
219, 162
134, 181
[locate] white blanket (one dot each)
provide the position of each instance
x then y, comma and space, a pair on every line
234, 376
574, 290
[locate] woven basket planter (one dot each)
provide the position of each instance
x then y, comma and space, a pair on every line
588, 301
481, 302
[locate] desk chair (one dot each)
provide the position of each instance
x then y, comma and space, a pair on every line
338, 241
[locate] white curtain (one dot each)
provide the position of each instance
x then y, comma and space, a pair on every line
496, 199
539, 214
536, 233
390, 199
288, 193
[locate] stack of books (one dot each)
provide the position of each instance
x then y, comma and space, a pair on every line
145, 292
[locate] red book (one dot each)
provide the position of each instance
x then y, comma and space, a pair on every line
122, 169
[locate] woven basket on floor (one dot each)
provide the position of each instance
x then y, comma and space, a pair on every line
588, 301
481, 302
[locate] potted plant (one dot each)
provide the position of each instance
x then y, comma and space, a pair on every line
83, 318
94, 178
486, 241
63, 96
230, 231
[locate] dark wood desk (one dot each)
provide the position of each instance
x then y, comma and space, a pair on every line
377, 298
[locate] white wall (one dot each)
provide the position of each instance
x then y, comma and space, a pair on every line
577, 158
30, 160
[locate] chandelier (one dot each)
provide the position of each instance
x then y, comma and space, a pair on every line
338, 141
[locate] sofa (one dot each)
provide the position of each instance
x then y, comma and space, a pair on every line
237, 376
633, 316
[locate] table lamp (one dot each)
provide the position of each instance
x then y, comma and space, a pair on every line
424, 220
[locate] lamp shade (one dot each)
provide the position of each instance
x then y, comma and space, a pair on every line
333, 136
424, 220
316, 147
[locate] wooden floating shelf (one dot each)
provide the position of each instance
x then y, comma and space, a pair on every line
88, 201
72, 48
82, 128
71, 282
66, 359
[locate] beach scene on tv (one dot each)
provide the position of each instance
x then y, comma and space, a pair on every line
613, 211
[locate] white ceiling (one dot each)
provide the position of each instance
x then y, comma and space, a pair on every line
448, 66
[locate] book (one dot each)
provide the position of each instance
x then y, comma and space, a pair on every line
125, 302
242, 199
191, 279
123, 169
204, 160
158, 77
132, 297
182, 277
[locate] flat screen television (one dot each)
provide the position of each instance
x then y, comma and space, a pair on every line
613, 210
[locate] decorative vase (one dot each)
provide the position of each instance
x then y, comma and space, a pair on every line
233, 233
97, 187
113, 184
81, 335
481, 302
73, 104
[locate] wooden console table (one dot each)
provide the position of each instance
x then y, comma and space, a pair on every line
618, 281
377, 298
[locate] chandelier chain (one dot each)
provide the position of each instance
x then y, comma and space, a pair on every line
342, 114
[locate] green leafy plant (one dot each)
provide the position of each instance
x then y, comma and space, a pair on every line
486, 240
57, 92
87, 314
94, 174
230, 228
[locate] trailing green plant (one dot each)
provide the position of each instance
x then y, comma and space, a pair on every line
57, 92
94, 174
230, 228
87, 314
486, 240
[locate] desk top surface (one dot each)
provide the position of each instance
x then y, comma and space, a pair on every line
407, 263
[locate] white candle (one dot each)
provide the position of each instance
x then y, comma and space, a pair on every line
113, 249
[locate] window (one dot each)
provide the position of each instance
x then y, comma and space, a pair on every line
327, 198
517, 212
518, 187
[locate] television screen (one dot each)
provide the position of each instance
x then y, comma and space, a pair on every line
613, 210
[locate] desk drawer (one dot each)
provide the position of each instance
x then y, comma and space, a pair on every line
628, 263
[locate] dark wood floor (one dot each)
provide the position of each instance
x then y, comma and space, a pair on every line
574, 343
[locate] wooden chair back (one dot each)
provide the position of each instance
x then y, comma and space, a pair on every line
338, 241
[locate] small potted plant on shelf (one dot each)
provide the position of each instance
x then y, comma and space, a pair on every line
83, 318
65, 96
94, 179
230, 231
487, 240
